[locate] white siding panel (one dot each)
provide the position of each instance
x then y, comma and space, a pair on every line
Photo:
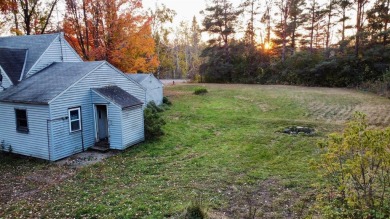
132, 127
154, 90
35, 142
58, 51
52, 54
81, 95
69, 54
6, 82
115, 126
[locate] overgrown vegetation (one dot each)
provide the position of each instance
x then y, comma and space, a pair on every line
196, 210
200, 91
355, 167
153, 121
223, 146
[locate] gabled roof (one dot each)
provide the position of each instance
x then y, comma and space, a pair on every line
35, 44
118, 96
138, 77
141, 77
50, 82
12, 61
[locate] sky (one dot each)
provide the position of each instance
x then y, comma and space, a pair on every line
185, 9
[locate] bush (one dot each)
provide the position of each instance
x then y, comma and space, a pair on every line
195, 210
166, 101
153, 121
355, 168
200, 90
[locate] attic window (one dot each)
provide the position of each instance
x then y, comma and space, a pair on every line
21, 120
74, 119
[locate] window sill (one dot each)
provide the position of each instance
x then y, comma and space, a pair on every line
74, 132
22, 131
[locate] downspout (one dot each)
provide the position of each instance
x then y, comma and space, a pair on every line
82, 130
48, 137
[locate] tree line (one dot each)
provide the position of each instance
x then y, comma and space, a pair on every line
305, 42
297, 42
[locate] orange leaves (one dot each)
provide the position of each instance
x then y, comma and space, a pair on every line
113, 30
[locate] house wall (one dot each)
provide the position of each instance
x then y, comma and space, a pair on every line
6, 82
132, 127
80, 94
58, 51
154, 90
114, 116
35, 142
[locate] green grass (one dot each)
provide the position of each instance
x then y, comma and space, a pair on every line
223, 147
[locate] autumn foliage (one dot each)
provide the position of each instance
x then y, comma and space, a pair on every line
355, 168
113, 30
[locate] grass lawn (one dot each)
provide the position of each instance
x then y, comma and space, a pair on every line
222, 147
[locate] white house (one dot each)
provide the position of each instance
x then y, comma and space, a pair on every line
53, 105
154, 87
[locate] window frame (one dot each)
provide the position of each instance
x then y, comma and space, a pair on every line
24, 130
78, 109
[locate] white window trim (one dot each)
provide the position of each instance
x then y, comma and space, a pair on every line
70, 120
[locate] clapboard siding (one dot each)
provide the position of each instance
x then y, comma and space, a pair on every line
58, 51
114, 121
115, 126
69, 54
52, 54
154, 89
132, 127
6, 82
34, 143
81, 95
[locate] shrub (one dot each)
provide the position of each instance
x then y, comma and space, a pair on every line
195, 210
200, 90
166, 101
153, 121
152, 105
355, 168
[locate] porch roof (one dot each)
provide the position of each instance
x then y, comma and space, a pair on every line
118, 96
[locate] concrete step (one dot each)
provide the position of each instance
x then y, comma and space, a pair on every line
100, 149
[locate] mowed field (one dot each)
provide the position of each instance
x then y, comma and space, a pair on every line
224, 148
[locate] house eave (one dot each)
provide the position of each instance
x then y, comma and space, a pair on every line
24, 102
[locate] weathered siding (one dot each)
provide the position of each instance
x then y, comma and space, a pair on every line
114, 121
132, 127
114, 126
154, 90
6, 82
35, 142
81, 95
58, 51
69, 54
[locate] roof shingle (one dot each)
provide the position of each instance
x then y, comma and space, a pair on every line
45, 85
118, 96
12, 62
35, 44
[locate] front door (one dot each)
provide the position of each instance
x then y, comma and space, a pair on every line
102, 124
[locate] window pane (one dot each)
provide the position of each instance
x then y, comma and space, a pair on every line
21, 114
74, 115
75, 125
22, 123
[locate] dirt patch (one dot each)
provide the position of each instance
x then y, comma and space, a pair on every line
85, 159
28, 179
268, 199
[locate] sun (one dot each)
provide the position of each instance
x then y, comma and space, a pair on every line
267, 46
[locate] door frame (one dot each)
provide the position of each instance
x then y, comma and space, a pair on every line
96, 120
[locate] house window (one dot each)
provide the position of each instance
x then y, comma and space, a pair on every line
74, 119
21, 120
